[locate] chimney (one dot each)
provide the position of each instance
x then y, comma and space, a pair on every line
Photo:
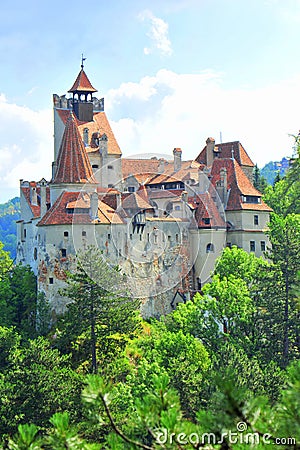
203, 180
43, 200
177, 159
223, 181
210, 146
94, 205
119, 200
33, 195
103, 145
161, 165
184, 196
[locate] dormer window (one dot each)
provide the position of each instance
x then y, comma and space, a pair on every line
251, 199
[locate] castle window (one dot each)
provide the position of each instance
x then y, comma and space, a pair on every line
251, 199
35, 254
108, 237
131, 188
86, 136
263, 246
206, 220
210, 248
252, 246
110, 167
95, 166
110, 185
83, 233
63, 252
255, 219
66, 233
177, 238
25, 232
177, 208
50, 280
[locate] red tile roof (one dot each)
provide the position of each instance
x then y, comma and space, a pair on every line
225, 151
73, 165
82, 84
63, 211
100, 124
206, 208
238, 185
36, 209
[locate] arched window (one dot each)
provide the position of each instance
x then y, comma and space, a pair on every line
210, 248
86, 136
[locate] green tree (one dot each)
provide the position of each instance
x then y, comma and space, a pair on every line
284, 233
259, 181
37, 382
100, 314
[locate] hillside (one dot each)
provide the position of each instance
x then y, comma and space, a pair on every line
9, 214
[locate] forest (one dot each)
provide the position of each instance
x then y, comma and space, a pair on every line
222, 371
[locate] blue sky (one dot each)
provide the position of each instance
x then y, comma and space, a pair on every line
172, 72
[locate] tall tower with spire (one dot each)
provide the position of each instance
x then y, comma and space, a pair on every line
83, 91
101, 147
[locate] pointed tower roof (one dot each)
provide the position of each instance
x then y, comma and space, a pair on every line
82, 84
73, 165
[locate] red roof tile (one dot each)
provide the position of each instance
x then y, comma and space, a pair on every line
238, 185
36, 209
73, 165
100, 124
206, 208
63, 211
225, 151
82, 84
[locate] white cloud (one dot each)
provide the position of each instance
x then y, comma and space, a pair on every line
158, 34
26, 146
182, 110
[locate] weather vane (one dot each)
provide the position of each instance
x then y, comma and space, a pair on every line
82, 59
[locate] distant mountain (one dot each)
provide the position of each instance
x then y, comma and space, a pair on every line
9, 214
270, 170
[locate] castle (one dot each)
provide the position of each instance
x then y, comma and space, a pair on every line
163, 221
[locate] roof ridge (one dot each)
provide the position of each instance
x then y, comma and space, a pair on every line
53, 208
73, 165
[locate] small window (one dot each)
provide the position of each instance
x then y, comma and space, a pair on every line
206, 220
63, 252
50, 280
228, 244
130, 237
263, 246
255, 219
110, 186
95, 166
83, 233
210, 248
108, 237
86, 136
66, 233
25, 232
35, 254
252, 246
169, 238
177, 238
177, 208
110, 167
131, 189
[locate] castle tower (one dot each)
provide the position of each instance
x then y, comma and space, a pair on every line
82, 91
